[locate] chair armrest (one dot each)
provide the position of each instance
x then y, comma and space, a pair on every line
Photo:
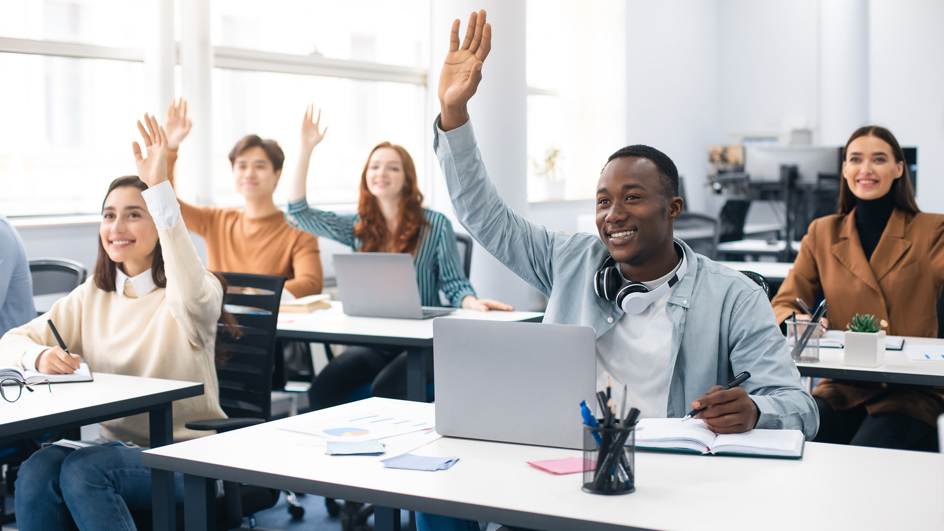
222, 425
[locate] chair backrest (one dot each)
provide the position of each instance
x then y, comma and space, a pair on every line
759, 280
55, 275
464, 242
732, 217
707, 245
245, 378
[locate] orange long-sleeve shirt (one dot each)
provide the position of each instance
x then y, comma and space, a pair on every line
263, 246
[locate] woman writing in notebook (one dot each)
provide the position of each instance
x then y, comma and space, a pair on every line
150, 309
882, 256
390, 218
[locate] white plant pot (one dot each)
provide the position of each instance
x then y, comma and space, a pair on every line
864, 349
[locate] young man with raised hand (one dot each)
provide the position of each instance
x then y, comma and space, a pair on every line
700, 322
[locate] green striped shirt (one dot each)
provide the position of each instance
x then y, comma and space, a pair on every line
438, 267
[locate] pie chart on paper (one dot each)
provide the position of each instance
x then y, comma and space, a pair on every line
347, 432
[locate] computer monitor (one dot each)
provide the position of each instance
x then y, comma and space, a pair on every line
911, 160
682, 193
763, 163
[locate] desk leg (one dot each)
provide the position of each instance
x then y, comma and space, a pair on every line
199, 503
162, 481
386, 519
416, 373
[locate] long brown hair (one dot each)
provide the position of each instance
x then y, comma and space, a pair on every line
106, 270
902, 191
372, 227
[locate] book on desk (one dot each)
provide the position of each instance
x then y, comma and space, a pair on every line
692, 436
82, 374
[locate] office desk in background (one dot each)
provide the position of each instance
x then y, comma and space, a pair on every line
109, 397
415, 336
831, 487
772, 271
753, 248
897, 368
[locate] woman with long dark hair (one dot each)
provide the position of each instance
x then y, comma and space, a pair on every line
878, 255
390, 218
150, 309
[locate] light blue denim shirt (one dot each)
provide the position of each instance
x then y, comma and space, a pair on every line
724, 323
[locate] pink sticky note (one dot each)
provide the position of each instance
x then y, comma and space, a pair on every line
568, 465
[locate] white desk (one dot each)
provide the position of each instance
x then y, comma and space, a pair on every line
413, 335
754, 247
832, 487
897, 369
772, 271
110, 396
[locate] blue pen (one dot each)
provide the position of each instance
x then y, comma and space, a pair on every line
589, 419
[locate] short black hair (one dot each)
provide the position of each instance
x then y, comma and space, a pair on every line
667, 169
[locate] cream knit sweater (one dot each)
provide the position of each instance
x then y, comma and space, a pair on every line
167, 333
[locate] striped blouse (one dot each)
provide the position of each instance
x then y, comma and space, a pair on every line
438, 267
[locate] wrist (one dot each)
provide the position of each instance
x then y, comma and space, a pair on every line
467, 301
452, 117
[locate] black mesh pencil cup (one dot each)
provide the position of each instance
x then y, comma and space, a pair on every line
608, 465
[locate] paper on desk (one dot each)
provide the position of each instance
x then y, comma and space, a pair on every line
924, 353
420, 462
366, 425
835, 339
567, 465
371, 447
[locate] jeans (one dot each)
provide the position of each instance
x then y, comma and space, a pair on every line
97, 487
385, 370
884, 430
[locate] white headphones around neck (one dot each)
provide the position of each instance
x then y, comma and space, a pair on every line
633, 297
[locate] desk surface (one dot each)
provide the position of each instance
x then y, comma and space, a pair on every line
769, 270
332, 323
77, 404
897, 369
755, 246
832, 487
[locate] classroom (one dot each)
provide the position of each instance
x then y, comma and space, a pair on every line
503, 265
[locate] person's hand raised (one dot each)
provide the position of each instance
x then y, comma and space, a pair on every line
462, 70
177, 123
153, 169
311, 133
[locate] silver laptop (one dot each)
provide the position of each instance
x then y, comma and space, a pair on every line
381, 285
513, 382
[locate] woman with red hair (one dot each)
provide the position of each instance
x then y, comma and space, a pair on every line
390, 218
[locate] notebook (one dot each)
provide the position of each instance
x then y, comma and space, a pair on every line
693, 436
83, 374
307, 304
835, 339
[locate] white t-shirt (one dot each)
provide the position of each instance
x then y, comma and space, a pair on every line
636, 352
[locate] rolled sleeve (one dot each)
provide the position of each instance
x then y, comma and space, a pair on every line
162, 204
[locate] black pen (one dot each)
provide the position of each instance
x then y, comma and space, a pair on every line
738, 380
58, 337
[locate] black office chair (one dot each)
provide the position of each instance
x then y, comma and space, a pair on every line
759, 280
55, 276
707, 245
464, 242
245, 381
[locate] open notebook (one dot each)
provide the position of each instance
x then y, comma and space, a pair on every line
835, 339
692, 436
83, 374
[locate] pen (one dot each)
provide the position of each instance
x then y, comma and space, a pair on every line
738, 380
589, 419
58, 337
801, 343
804, 306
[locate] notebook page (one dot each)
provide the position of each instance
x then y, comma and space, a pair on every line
674, 434
82, 374
781, 443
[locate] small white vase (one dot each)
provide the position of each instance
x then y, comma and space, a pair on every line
864, 349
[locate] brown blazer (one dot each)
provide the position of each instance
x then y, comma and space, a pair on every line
901, 283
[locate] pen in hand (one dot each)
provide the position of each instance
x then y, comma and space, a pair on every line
737, 381
71, 362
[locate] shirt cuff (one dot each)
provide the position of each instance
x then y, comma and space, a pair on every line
162, 204
767, 416
459, 139
31, 355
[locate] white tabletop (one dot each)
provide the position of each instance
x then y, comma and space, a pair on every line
769, 270
333, 321
755, 246
69, 404
832, 487
898, 368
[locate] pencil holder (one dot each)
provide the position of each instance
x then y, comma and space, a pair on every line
608, 465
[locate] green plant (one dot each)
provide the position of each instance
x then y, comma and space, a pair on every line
865, 324
547, 167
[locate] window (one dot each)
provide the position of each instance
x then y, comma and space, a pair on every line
575, 121
100, 22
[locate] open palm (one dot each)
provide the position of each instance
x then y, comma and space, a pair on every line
311, 134
177, 123
462, 68
153, 169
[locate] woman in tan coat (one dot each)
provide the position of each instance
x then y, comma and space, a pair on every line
878, 255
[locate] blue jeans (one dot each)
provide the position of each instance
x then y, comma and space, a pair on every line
97, 487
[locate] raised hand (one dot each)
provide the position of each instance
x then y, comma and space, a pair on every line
462, 70
153, 169
177, 123
311, 136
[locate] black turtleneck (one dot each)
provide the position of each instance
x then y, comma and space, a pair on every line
871, 217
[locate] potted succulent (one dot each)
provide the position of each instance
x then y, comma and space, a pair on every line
865, 342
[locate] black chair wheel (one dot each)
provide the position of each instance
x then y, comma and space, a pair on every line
297, 512
333, 507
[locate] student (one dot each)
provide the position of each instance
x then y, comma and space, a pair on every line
700, 324
16, 284
390, 218
150, 309
878, 255
254, 240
